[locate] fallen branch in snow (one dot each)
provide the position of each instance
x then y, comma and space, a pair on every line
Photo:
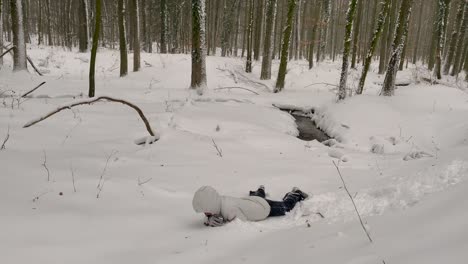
35, 88
3, 54
219, 150
27, 57
236, 87
45, 166
89, 102
140, 183
6, 139
352, 200
320, 83
73, 176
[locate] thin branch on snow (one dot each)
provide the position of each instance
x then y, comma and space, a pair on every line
35, 88
44, 164
73, 176
218, 149
6, 139
320, 83
236, 87
92, 101
352, 200
101, 182
140, 183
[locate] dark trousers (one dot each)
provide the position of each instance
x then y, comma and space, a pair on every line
279, 208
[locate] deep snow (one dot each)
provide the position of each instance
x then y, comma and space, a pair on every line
414, 208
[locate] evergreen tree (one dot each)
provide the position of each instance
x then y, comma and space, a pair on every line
388, 87
347, 47
285, 47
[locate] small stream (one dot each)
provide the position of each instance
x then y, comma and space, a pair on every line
308, 130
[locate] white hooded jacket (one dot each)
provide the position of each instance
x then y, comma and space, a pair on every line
252, 208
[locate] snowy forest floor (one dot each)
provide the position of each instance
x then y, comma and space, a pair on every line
76, 189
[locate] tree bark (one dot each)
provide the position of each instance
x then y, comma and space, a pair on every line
357, 28
135, 16
347, 46
248, 64
285, 47
92, 65
388, 88
122, 40
198, 45
163, 27
373, 45
83, 26
19, 55
268, 42
460, 46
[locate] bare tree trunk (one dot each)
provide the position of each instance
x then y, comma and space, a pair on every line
163, 26
347, 47
1, 32
135, 16
258, 30
418, 37
267, 45
122, 40
357, 28
92, 65
198, 45
373, 45
388, 87
460, 46
19, 55
443, 8
285, 47
83, 26
248, 64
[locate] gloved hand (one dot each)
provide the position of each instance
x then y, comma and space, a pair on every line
214, 220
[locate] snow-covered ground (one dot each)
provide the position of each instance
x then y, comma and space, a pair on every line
76, 189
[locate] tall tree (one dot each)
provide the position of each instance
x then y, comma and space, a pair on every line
285, 47
315, 23
83, 34
92, 65
228, 20
347, 47
357, 28
163, 26
268, 42
454, 38
460, 46
1, 31
248, 63
324, 29
418, 34
122, 40
388, 87
258, 29
19, 55
373, 44
135, 17
198, 45
443, 8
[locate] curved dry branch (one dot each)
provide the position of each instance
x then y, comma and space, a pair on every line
320, 83
89, 102
236, 87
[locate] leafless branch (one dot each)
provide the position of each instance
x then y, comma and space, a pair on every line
6, 139
352, 200
140, 183
320, 83
35, 88
44, 164
73, 176
101, 182
219, 150
236, 87
92, 101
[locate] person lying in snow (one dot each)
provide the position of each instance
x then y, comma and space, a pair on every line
220, 209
